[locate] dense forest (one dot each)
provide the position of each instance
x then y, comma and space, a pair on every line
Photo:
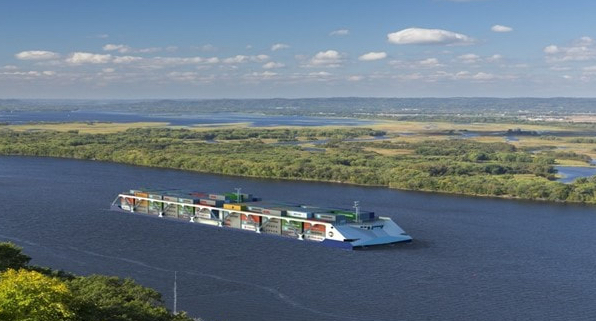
449, 165
36, 293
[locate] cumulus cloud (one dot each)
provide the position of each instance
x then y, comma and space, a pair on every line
340, 32
78, 58
239, 59
273, 65
126, 59
501, 28
355, 78
425, 63
582, 49
430, 62
37, 55
423, 36
371, 56
127, 49
469, 58
329, 58
119, 48
279, 46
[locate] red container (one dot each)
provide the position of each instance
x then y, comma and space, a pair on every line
314, 228
251, 218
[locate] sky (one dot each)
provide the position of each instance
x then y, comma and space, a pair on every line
291, 49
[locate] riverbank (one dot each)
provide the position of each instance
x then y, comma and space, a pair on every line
437, 164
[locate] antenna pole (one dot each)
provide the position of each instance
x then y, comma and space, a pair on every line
238, 189
175, 292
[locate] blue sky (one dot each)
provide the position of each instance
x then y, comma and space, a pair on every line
261, 49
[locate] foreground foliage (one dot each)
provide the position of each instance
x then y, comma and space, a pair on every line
29, 293
452, 166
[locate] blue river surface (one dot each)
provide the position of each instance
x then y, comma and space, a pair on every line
210, 119
571, 173
471, 258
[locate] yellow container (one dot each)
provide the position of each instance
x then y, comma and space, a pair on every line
236, 207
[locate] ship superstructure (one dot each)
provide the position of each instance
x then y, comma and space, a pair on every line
328, 226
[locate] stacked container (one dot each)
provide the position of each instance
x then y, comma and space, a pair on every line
271, 226
186, 211
232, 220
314, 232
235, 206
155, 207
291, 228
250, 222
141, 206
170, 210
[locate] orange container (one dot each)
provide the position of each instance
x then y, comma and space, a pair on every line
314, 228
251, 218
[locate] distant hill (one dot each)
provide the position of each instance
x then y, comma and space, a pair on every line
341, 106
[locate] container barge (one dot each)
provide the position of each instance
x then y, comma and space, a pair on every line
335, 227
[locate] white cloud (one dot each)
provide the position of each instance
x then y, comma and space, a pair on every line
208, 47
10, 67
48, 73
582, 49
355, 78
108, 70
279, 46
501, 28
319, 74
152, 49
469, 58
261, 75
340, 32
494, 58
425, 63
552, 49
78, 58
430, 62
239, 59
127, 49
119, 48
590, 68
37, 55
273, 65
329, 58
428, 36
126, 59
483, 76
371, 56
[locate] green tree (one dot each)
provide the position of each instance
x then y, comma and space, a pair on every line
32, 296
101, 298
11, 257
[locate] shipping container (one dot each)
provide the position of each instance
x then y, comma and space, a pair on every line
274, 211
141, 206
232, 219
314, 232
271, 226
210, 202
170, 210
185, 211
219, 197
300, 214
291, 228
155, 208
254, 208
251, 218
235, 206
188, 200
250, 222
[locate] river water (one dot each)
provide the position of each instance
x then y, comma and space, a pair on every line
212, 119
471, 258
